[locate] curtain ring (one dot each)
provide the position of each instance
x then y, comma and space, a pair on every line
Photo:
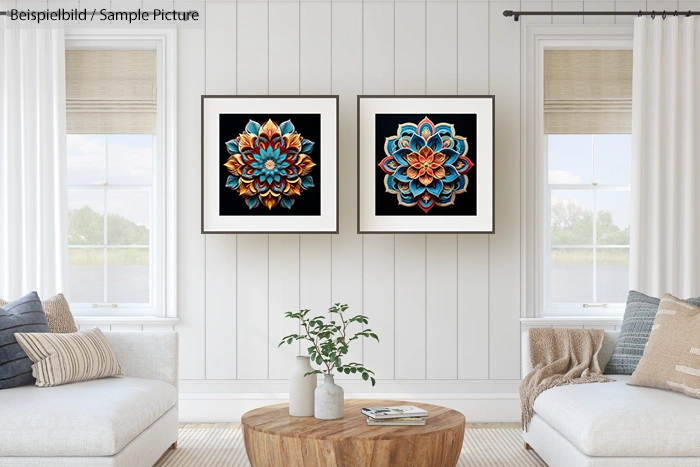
640, 14
653, 14
688, 15
663, 16
675, 13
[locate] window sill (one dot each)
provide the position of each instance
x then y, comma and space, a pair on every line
572, 321
134, 320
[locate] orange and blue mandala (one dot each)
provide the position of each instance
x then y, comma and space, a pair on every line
269, 164
426, 164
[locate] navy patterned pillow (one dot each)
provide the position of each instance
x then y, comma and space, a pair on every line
636, 326
23, 315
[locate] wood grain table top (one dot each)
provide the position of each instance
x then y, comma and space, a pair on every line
275, 419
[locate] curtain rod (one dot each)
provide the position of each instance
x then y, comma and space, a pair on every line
517, 14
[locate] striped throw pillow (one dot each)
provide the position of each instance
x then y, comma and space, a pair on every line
68, 358
58, 314
671, 359
23, 315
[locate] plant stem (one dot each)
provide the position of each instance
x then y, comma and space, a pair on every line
318, 351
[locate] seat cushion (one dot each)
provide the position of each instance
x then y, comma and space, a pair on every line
90, 418
614, 419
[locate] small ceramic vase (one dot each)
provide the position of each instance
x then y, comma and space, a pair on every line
329, 400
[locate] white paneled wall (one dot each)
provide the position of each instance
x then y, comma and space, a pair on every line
446, 307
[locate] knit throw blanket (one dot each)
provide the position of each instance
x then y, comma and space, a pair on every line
560, 357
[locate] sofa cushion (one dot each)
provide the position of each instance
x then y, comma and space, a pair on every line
23, 315
614, 419
90, 418
636, 326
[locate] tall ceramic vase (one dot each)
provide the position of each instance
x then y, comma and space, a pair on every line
301, 389
329, 400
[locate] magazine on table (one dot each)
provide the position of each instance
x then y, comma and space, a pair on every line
412, 421
400, 411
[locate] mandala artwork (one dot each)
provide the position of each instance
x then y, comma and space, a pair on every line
426, 164
269, 164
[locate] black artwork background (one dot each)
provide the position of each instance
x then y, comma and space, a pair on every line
387, 204
231, 203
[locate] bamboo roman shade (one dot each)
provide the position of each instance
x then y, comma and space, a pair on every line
111, 91
587, 91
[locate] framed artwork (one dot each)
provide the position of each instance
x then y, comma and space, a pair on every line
269, 164
425, 164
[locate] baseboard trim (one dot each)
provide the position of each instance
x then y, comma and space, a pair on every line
228, 407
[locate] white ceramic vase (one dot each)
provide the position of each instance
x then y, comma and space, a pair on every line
329, 400
301, 389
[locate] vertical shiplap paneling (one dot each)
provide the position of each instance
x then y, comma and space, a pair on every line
599, 5
221, 249
504, 256
378, 250
540, 5
628, 6
441, 250
315, 38
283, 291
315, 47
688, 5
409, 261
567, 6
191, 274
473, 250
253, 260
346, 69
410, 49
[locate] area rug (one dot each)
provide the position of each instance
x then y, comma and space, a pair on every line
223, 447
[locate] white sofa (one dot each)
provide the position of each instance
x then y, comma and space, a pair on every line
612, 424
127, 421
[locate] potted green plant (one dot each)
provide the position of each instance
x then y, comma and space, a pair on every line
330, 340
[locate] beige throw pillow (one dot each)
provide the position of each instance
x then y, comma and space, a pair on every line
67, 358
57, 312
671, 359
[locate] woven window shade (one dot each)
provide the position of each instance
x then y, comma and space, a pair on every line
587, 91
111, 91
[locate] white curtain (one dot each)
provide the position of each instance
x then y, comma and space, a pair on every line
665, 222
33, 205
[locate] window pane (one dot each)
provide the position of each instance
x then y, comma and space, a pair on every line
86, 275
572, 217
613, 218
130, 159
86, 217
570, 159
86, 159
571, 275
128, 217
613, 159
128, 275
612, 275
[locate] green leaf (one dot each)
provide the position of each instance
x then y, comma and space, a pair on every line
346, 370
365, 376
319, 360
354, 370
373, 381
290, 340
337, 361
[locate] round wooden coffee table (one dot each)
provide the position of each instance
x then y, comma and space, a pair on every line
273, 438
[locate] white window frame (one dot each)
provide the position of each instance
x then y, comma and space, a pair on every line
534, 174
163, 247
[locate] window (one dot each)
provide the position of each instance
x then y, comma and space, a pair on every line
577, 249
110, 219
121, 172
588, 195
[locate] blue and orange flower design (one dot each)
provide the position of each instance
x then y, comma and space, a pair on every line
270, 164
426, 164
